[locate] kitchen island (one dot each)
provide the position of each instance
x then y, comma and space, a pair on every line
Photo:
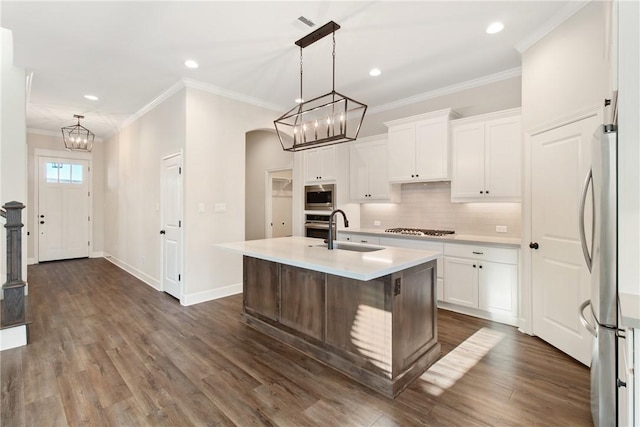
366, 311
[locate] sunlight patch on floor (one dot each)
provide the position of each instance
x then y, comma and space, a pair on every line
455, 364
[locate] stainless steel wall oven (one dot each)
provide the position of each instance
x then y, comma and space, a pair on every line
316, 226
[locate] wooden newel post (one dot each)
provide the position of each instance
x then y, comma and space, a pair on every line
13, 310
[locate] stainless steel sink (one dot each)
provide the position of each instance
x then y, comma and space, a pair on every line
353, 248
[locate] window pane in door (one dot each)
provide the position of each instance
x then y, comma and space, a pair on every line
52, 172
76, 174
65, 172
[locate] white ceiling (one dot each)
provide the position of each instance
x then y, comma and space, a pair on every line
128, 53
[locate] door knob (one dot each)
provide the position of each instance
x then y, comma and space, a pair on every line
534, 245
162, 232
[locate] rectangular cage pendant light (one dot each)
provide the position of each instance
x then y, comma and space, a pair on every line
77, 137
329, 119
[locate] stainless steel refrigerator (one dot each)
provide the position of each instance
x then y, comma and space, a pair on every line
600, 253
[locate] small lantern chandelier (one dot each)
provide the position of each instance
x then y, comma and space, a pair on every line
326, 120
77, 137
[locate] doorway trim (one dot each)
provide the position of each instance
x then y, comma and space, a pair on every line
63, 155
268, 204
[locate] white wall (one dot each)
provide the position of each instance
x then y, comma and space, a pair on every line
215, 174
264, 153
13, 147
563, 73
36, 141
132, 165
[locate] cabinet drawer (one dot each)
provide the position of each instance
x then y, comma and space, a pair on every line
361, 238
504, 255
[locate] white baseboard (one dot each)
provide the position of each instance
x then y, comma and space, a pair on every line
144, 277
98, 254
13, 337
211, 294
31, 261
494, 317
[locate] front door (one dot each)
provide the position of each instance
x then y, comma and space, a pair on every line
171, 232
63, 208
560, 278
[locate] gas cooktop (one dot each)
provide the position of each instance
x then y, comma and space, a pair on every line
419, 231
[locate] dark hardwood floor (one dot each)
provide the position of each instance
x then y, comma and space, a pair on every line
106, 349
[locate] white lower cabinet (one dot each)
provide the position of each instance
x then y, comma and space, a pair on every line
482, 278
462, 282
477, 280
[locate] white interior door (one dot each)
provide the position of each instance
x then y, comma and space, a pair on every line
279, 204
63, 208
560, 278
171, 233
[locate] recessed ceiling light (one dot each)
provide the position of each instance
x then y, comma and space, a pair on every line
190, 63
374, 72
495, 27
299, 100
91, 97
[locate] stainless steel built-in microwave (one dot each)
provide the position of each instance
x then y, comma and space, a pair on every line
319, 197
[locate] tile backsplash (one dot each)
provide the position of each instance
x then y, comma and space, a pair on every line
428, 205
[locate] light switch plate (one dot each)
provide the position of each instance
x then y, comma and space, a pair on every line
220, 207
501, 228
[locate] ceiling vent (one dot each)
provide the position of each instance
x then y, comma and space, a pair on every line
306, 21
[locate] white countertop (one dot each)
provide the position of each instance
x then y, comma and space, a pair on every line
630, 310
312, 254
512, 242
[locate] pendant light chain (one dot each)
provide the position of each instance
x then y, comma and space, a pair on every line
333, 83
301, 98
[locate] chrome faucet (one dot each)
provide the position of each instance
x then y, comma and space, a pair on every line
331, 236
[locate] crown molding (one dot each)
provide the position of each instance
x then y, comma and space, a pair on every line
45, 132
151, 105
469, 84
198, 85
563, 14
206, 87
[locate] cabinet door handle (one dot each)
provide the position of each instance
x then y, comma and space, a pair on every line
481, 192
474, 266
364, 241
479, 266
478, 253
534, 245
487, 191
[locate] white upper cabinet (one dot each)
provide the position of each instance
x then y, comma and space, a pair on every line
368, 171
320, 165
419, 147
486, 158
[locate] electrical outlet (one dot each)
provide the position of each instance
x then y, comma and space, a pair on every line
376, 223
501, 228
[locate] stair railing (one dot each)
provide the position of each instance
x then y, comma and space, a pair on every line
13, 307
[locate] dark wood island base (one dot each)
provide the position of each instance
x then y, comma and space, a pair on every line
382, 332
